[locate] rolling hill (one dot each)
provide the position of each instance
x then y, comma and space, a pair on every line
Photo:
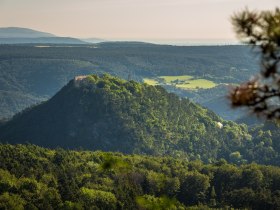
110, 114
42, 71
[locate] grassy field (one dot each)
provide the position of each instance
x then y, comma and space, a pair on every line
184, 82
197, 83
169, 79
150, 81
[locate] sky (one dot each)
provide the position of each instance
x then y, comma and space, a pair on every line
129, 19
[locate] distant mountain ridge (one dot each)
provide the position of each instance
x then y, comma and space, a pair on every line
42, 40
16, 32
16, 35
94, 40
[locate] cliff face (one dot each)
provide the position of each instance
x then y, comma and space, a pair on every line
78, 80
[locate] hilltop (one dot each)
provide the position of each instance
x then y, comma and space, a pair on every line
111, 114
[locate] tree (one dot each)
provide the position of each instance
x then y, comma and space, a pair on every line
11, 201
98, 198
194, 188
241, 198
150, 202
262, 31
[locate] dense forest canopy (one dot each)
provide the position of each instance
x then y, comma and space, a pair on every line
32, 177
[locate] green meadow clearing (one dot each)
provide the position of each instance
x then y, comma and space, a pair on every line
170, 79
184, 82
150, 81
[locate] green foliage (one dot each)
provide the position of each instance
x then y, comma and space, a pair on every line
97, 199
29, 74
114, 163
110, 114
149, 202
183, 82
31, 179
11, 201
194, 187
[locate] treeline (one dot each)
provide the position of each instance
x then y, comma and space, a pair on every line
32, 177
222, 62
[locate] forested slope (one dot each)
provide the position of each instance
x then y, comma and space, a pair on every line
110, 114
36, 178
40, 71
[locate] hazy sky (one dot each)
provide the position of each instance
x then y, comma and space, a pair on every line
129, 19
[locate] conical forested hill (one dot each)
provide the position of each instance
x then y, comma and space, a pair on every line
110, 114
